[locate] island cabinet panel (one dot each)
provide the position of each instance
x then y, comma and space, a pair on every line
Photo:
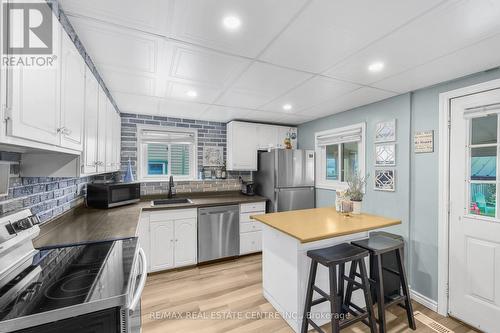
250, 229
285, 267
169, 238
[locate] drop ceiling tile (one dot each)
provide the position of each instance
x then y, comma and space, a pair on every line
122, 49
146, 15
128, 82
204, 66
475, 58
223, 114
181, 90
328, 31
310, 93
359, 97
139, 104
181, 109
200, 22
261, 116
294, 119
452, 26
259, 84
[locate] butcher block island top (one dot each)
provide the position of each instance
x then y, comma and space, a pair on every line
309, 225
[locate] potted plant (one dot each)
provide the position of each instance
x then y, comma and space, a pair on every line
355, 191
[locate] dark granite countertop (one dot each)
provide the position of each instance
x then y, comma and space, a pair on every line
86, 225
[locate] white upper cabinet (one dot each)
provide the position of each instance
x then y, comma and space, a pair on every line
242, 142
245, 139
101, 131
33, 109
90, 155
72, 95
110, 129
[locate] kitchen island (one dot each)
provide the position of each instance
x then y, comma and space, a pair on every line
286, 238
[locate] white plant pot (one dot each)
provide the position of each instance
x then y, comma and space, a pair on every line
356, 207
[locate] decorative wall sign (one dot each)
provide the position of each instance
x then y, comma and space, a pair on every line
385, 131
213, 156
385, 155
424, 142
385, 180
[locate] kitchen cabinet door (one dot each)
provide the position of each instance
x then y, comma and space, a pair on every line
186, 242
34, 100
117, 143
72, 95
267, 136
161, 245
242, 142
90, 146
101, 131
110, 113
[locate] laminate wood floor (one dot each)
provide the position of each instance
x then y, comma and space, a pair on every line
195, 299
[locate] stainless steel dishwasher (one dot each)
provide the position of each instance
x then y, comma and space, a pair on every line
218, 232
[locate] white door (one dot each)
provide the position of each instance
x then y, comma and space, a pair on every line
89, 155
161, 245
34, 99
186, 242
474, 262
101, 131
72, 95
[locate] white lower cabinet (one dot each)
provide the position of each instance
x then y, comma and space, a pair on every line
250, 230
169, 238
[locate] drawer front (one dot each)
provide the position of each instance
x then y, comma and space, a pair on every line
173, 214
245, 217
250, 242
250, 226
253, 207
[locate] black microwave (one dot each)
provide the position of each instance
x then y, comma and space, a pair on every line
108, 195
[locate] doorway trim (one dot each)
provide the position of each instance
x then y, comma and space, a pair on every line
444, 185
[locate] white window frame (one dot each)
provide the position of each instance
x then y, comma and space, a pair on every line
321, 181
142, 154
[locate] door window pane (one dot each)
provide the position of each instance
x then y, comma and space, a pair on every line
483, 163
484, 130
350, 160
483, 199
332, 162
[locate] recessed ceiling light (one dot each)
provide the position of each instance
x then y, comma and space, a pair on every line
231, 22
192, 93
287, 107
376, 66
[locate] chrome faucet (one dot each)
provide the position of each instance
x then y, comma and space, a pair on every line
171, 188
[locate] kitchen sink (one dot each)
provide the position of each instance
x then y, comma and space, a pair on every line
170, 201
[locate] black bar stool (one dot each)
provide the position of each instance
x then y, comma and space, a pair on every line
331, 257
377, 246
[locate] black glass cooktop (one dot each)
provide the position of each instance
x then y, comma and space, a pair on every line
62, 277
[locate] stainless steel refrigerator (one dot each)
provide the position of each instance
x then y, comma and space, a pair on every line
286, 178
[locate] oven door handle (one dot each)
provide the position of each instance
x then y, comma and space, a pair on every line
142, 282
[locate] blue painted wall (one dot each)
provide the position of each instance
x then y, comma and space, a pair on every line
415, 201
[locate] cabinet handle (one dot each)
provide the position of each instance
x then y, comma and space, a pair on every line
176, 240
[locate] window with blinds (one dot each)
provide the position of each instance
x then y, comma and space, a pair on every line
339, 155
167, 152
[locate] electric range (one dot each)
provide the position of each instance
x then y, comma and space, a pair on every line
53, 289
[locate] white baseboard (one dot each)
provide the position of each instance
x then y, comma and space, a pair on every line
424, 300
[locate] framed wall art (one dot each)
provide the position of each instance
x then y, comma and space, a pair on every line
385, 155
385, 180
385, 131
213, 156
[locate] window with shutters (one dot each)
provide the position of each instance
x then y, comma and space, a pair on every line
165, 152
340, 154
